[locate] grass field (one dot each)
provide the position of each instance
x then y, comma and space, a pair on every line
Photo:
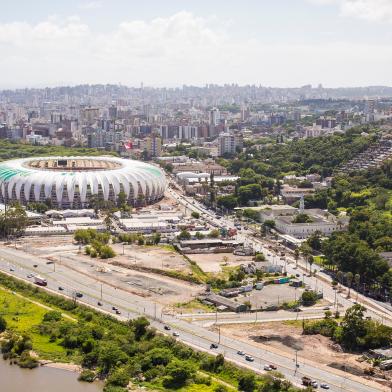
24, 316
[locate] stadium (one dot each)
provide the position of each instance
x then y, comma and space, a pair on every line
74, 182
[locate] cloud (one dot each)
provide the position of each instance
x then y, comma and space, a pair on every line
370, 10
175, 50
90, 5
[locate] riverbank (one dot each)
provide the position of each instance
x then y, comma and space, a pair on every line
43, 378
69, 367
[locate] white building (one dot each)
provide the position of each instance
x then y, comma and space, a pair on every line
228, 143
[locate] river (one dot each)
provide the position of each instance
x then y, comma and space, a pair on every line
41, 379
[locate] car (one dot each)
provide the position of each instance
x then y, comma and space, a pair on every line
118, 312
167, 328
12, 269
314, 384
61, 288
99, 303
273, 367
297, 275
35, 265
50, 262
78, 295
326, 308
324, 386
114, 308
30, 276
176, 334
240, 353
213, 345
267, 368
249, 358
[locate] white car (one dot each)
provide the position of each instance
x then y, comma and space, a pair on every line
324, 386
240, 353
267, 368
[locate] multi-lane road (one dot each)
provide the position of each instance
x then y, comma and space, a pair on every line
21, 265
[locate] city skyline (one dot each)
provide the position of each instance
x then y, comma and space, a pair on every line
281, 44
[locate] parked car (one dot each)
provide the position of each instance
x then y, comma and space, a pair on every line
118, 312
114, 308
30, 276
99, 303
273, 367
78, 294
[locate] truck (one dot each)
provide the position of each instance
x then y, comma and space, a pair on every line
40, 281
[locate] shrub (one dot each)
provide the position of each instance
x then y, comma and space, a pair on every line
27, 361
87, 376
3, 324
309, 298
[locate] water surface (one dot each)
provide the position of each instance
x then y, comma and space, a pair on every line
41, 379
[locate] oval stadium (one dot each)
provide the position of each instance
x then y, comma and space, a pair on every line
72, 182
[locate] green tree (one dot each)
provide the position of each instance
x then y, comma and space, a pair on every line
140, 327
349, 281
195, 215
184, 235
309, 298
178, 372
228, 202
353, 327
3, 324
296, 256
247, 382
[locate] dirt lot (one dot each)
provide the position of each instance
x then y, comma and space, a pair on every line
272, 294
287, 338
213, 262
128, 271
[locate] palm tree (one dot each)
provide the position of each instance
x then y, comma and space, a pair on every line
306, 251
296, 256
339, 276
357, 280
349, 280
310, 261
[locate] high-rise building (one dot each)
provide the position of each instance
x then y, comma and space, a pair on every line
153, 146
214, 117
229, 143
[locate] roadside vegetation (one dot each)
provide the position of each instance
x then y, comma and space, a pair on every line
354, 333
118, 352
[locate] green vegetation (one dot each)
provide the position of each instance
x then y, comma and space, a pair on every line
11, 150
97, 243
195, 215
120, 352
309, 298
355, 332
13, 221
302, 218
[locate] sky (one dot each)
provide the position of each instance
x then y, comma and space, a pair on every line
278, 43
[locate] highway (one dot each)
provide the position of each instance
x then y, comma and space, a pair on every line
19, 264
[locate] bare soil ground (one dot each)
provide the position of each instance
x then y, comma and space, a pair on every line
288, 338
129, 271
213, 262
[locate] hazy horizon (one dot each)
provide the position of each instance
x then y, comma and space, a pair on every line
286, 43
